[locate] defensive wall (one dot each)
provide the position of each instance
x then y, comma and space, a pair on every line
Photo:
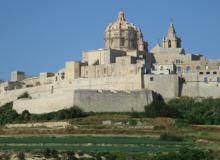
112, 101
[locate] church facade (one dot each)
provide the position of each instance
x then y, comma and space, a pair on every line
122, 76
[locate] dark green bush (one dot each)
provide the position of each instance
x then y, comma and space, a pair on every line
185, 154
7, 114
24, 95
159, 127
198, 111
181, 123
170, 137
132, 122
73, 112
160, 109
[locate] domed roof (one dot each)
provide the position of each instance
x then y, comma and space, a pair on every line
123, 35
121, 23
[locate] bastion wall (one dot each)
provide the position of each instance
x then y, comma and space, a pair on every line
112, 101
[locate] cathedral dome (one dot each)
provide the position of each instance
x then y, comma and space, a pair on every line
123, 35
121, 23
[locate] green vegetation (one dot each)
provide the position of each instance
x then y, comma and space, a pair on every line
198, 111
190, 110
8, 115
24, 95
185, 154
91, 144
170, 137
161, 109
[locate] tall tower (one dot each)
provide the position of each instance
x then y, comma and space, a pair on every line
171, 40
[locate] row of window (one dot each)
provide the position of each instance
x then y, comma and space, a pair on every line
206, 79
188, 69
207, 72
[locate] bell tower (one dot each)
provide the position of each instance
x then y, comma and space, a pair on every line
171, 40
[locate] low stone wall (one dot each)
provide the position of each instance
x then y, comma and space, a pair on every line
109, 101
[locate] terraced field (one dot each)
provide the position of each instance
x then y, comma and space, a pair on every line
90, 144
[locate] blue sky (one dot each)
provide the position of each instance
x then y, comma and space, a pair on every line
40, 35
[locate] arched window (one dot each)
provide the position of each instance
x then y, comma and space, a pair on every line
169, 44
188, 69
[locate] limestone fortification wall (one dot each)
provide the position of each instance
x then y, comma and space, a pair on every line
165, 85
43, 99
130, 82
109, 101
201, 89
50, 98
88, 100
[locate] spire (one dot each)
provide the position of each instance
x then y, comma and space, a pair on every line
171, 31
171, 40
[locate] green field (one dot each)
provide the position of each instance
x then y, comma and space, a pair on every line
90, 144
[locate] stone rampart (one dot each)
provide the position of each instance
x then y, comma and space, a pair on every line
109, 101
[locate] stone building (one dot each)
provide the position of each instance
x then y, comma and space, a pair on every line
122, 76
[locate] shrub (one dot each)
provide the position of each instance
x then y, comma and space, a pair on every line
170, 137
159, 127
69, 113
24, 95
7, 114
25, 115
180, 123
160, 109
132, 122
198, 111
185, 154
50, 153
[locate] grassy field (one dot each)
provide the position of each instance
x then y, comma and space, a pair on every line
89, 134
90, 144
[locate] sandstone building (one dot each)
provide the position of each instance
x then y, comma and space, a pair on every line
122, 76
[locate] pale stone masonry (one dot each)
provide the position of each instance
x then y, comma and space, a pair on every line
120, 77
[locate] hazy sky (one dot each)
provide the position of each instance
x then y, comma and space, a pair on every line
40, 35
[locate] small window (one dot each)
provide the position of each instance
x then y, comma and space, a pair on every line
62, 75
219, 67
206, 79
214, 72
178, 61
207, 72
200, 72
151, 78
206, 67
